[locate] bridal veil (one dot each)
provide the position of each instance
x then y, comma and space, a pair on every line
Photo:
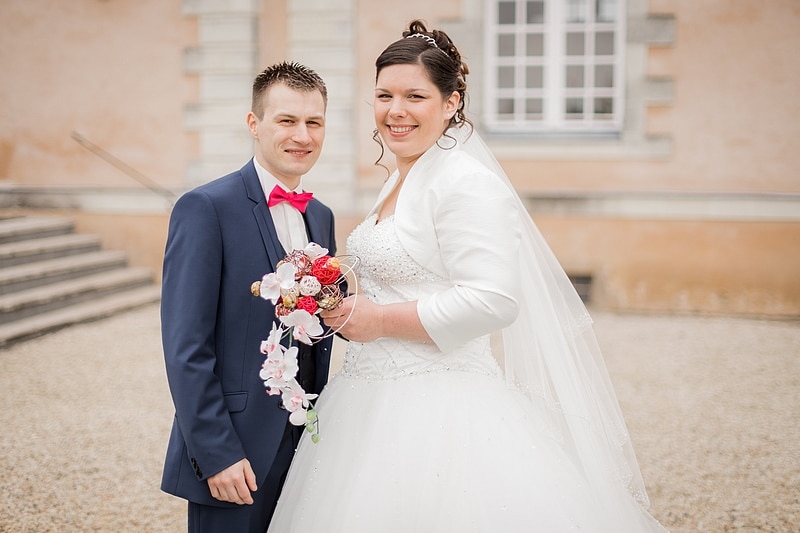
551, 354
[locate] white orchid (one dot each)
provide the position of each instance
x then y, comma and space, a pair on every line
314, 250
304, 325
273, 342
274, 282
298, 298
279, 372
274, 386
281, 365
297, 401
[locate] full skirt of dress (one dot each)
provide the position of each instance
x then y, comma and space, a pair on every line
438, 452
415, 440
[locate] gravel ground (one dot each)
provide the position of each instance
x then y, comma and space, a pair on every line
712, 405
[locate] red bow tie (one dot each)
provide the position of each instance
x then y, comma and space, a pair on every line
297, 200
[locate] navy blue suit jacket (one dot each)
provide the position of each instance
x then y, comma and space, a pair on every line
221, 239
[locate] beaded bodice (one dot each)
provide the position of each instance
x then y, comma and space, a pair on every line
387, 274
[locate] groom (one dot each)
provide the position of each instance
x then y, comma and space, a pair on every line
231, 443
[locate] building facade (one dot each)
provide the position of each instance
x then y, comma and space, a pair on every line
654, 141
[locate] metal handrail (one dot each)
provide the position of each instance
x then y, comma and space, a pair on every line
125, 168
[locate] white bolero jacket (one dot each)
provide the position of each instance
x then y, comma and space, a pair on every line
462, 221
457, 218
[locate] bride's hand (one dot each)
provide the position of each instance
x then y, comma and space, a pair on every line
356, 319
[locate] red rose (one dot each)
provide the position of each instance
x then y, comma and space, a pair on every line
326, 269
307, 303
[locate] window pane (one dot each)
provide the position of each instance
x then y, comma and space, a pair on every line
506, 12
575, 44
603, 76
575, 76
604, 43
534, 77
505, 106
573, 107
555, 73
534, 12
505, 45
533, 106
603, 106
534, 44
605, 10
505, 77
576, 10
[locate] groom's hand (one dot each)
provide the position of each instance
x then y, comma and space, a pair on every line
234, 483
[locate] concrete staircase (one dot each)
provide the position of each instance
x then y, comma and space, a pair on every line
52, 277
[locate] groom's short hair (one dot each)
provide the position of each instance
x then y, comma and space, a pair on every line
293, 75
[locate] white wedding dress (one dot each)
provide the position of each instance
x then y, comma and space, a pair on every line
415, 440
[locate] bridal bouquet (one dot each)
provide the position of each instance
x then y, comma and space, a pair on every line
304, 283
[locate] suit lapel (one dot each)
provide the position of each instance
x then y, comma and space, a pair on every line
262, 215
316, 232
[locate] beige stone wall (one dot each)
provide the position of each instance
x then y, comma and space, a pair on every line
733, 119
733, 71
111, 71
727, 267
116, 73
272, 32
379, 24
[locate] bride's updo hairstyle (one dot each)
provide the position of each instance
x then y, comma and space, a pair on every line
440, 58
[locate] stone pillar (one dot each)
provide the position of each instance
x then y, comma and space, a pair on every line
321, 35
225, 60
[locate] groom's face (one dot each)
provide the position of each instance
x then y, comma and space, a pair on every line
290, 133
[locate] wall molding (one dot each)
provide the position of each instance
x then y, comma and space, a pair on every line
686, 206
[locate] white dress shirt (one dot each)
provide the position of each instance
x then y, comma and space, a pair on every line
289, 223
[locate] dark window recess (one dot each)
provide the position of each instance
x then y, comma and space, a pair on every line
583, 285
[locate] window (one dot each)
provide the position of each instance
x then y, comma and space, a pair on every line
554, 66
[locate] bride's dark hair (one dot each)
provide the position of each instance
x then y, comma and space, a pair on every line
435, 51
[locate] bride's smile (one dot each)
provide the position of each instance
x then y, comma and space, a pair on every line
410, 112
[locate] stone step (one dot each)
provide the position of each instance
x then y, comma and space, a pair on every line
40, 249
82, 312
53, 271
22, 228
23, 304
51, 277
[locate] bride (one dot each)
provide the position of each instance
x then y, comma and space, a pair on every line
473, 396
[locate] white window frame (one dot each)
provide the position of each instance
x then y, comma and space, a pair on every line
553, 119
